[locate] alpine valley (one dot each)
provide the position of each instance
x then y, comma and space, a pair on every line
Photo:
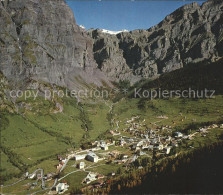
71, 121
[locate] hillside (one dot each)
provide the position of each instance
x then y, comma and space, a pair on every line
34, 132
199, 76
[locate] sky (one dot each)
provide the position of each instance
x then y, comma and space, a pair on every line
120, 15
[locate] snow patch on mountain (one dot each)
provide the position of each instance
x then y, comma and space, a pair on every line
113, 32
82, 26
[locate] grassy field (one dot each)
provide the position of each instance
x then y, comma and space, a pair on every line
97, 113
7, 167
21, 133
33, 137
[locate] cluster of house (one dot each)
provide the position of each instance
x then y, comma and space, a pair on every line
39, 176
137, 128
91, 156
97, 145
152, 143
204, 130
92, 177
127, 159
150, 139
62, 161
143, 140
132, 119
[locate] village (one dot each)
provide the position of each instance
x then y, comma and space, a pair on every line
136, 141
123, 149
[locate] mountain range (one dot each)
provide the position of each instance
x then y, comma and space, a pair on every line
191, 34
41, 42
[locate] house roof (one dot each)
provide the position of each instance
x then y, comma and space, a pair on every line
80, 156
60, 184
92, 154
91, 175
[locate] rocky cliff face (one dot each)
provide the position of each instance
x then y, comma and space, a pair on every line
191, 34
39, 40
110, 57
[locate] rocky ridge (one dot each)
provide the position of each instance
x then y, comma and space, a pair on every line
191, 34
